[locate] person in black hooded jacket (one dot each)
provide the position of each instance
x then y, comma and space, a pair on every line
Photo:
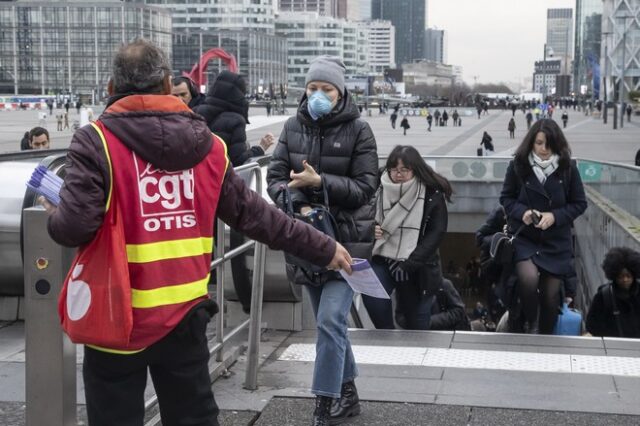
327, 149
226, 111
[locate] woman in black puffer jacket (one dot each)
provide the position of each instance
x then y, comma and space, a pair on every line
226, 111
326, 148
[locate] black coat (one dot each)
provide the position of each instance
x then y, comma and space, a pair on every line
424, 260
447, 309
342, 149
601, 321
226, 110
552, 249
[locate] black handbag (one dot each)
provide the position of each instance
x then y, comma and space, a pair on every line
501, 248
319, 217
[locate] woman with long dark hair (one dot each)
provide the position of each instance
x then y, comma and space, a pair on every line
411, 221
542, 191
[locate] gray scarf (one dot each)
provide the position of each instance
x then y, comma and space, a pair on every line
543, 168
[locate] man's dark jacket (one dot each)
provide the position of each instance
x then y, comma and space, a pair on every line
602, 322
226, 110
342, 149
448, 310
171, 138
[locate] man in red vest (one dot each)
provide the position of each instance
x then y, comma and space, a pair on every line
170, 177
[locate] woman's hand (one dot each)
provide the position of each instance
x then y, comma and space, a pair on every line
308, 177
378, 232
527, 217
305, 210
266, 141
50, 208
547, 219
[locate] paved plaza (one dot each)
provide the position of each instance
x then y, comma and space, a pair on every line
588, 136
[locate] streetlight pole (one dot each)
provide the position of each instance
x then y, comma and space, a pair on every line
605, 107
544, 74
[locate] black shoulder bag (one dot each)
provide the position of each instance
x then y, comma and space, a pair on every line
319, 217
501, 249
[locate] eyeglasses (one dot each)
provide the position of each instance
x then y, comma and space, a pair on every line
402, 171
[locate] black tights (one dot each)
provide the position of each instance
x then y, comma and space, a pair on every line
538, 291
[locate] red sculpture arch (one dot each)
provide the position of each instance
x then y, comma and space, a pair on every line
199, 71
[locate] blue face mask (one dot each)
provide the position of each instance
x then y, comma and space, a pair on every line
319, 104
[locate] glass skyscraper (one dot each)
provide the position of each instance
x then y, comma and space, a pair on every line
66, 47
586, 61
409, 17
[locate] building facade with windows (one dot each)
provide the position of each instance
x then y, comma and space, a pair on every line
310, 35
231, 15
409, 17
66, 48
559, 31
435, 45
381, 41
588, 37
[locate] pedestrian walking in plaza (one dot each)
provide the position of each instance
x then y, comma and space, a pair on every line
268, 107
529, 117
512, 128
50, 105
542, 195
326, 150
59, 122
455, 117
486, 143
445, 117
66, 120
405, 125
147, 135
629, 110
615, 309
411, 222
514, 107
429, 121
565, 118
479, 110
67, 105
436, 116
486, 109
78, 106
393, 117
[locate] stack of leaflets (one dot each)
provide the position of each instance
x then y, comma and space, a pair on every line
46, 183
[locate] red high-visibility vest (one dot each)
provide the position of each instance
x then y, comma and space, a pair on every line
168, 227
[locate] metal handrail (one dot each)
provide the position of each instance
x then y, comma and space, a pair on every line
257, 290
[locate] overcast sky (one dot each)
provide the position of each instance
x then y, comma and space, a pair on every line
495, 40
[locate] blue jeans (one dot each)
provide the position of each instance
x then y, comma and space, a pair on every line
335, 363
415, 307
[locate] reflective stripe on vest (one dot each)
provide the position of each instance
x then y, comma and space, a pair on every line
169, 295
152, 252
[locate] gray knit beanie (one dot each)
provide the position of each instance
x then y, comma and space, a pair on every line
329, 69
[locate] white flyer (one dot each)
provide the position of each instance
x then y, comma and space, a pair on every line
364, 280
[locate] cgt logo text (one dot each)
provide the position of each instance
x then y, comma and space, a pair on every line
166, 198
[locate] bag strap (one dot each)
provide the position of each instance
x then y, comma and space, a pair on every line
610, 303
287, 204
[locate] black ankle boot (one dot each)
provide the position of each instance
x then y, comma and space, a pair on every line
348, 405
323, 410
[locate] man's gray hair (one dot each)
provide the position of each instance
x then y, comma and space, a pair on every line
139, 67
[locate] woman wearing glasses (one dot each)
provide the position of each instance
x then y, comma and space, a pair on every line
411, 221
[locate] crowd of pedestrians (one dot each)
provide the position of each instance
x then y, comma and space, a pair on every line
396, 216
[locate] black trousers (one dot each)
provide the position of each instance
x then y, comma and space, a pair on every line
178, 364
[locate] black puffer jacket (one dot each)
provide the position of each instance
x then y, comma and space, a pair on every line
226, 111
342, 149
